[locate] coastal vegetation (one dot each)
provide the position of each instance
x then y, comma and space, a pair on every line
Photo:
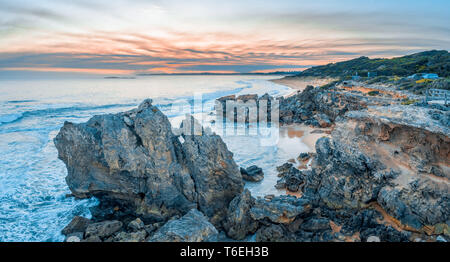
393, 72
434, 61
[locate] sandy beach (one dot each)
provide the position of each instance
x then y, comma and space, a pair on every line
300, 83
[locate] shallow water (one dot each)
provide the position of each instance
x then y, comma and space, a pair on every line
33, 206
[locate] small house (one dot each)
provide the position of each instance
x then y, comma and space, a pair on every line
423, 76
430, 76
356, 77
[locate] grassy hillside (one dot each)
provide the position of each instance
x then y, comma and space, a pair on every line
425, 62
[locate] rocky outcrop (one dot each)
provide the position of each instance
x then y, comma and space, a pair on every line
248, 108
103, 229
77, 225
252, 174
239, 223
281, 209
134, 164
291, 178
397, 157
216, 176
318, 106
192, 227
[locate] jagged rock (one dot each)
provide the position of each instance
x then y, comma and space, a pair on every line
133, 160
239, 222
304, 157
316, 224
291, 178
342, 176
318, 106
216, 175
252, 174
136, 224
192, 227
78, 224
394, 155
284, 169
103, 229
280, 209
281, 184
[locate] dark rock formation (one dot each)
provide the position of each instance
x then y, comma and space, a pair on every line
78, 224
192, 227
136, 166
291, 178
318, 106
395, 156
239, 223
103, 229
304, 157
252, 174
281, 209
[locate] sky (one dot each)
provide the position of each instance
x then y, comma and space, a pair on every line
118, 37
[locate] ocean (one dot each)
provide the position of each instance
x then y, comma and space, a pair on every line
33, 202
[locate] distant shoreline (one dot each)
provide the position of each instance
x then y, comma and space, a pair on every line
299, 84
272, 73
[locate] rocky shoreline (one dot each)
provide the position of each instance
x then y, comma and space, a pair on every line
383, 175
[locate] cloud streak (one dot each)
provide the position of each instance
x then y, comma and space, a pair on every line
233, 36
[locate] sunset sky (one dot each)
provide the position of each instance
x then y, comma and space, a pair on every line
145, 36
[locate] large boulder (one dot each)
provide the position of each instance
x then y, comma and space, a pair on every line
78, 224
192, 227
134, 161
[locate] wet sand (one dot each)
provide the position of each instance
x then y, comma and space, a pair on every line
307, 135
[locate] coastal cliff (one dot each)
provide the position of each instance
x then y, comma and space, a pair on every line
136, 167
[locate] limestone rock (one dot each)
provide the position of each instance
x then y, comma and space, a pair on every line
133, 160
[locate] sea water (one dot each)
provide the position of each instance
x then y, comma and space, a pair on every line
33, 202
